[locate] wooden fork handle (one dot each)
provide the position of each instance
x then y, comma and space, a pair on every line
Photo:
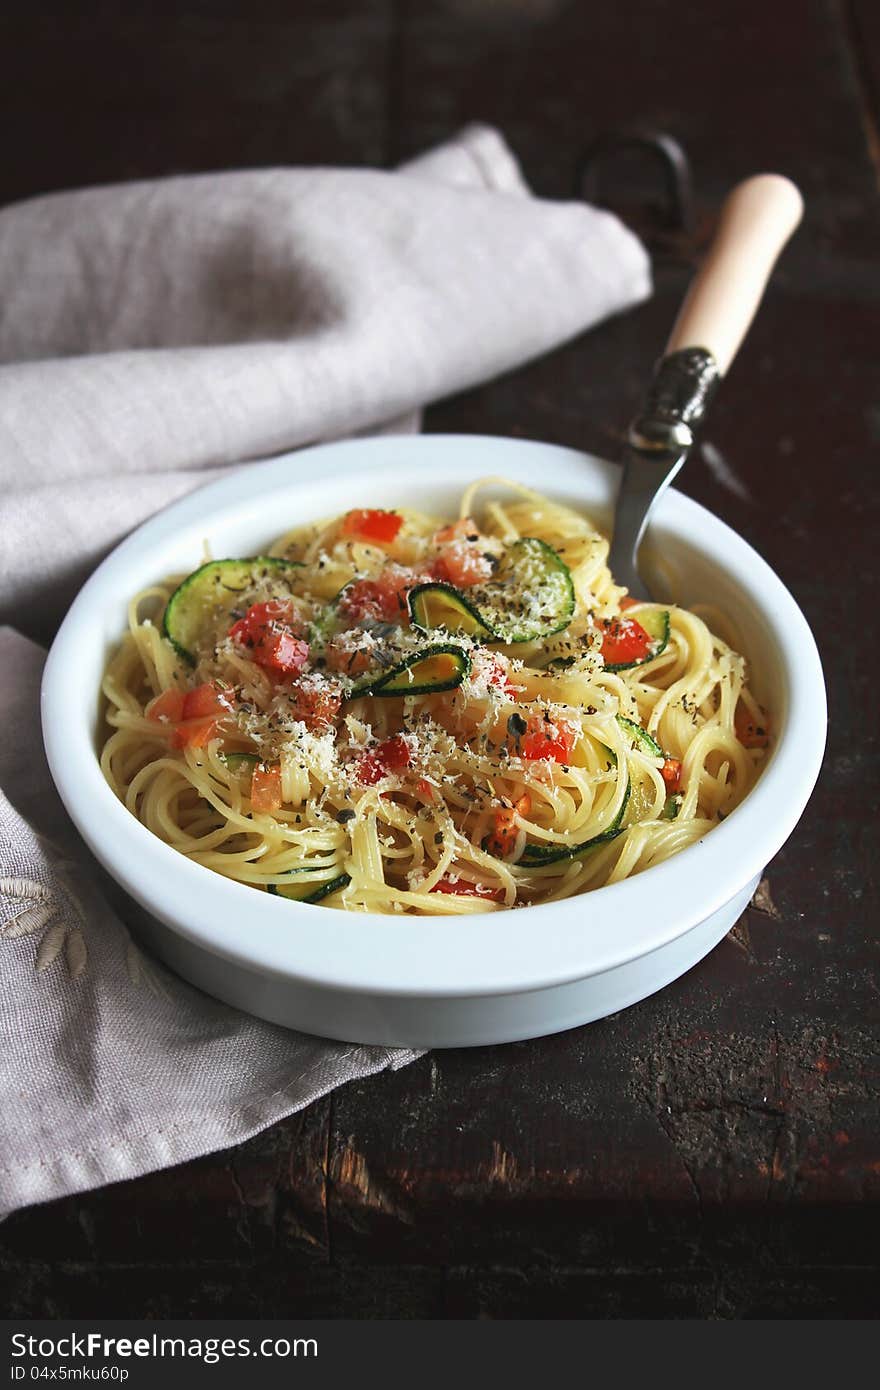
756, 221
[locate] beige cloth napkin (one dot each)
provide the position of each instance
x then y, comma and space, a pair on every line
151, 335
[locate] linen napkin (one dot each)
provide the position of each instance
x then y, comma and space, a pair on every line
151, 336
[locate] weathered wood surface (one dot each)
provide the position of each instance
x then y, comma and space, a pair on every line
713, 1151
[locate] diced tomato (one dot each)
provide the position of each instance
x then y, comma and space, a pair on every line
462, 563
456, 531
426, 790
463, 889
167, 707
194, 733
671, 774
751, 732
203, 708
395, 753
547, 738
282, 653
624, 640
266, 788
367, 601
194, 714
316, 703
391, 756
628, 602
266, 631
260, 618
206, 701
369, 769
377, 527
502, 841
341, 654
462, 559
382, 599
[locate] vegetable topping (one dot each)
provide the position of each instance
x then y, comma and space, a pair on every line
752, 732
624, 641
547, 738
391, 756
266, 788
671, 774
376, 527
633, 641
266, 631
502, 841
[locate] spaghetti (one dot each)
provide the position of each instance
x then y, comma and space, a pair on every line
386, 713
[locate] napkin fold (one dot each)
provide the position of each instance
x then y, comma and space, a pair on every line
151, 336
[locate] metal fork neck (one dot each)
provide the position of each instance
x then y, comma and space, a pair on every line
659, 440
681, 392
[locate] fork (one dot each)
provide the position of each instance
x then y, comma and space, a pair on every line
756, 220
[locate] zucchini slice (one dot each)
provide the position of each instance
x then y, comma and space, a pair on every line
439, 667
531, 596
655, 621
536, 856
239, 762
199, 610
309, 892
640, 737
442, 605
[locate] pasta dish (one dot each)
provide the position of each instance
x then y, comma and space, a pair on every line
393, 712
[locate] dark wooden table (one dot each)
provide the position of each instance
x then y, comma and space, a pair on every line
712, 1152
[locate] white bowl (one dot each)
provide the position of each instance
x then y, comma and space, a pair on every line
441, 981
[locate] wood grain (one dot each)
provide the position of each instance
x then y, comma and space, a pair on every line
712, 1152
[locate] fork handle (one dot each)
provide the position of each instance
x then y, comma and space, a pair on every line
756, 221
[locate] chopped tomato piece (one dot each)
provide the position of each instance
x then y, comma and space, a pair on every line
367, 601
463, 563
194, 733
206, 701
391, 756
266, 788
202, 710
457, 530
167, 707
375, 526
462, 888
426, 790
351, 657
671, 774
316, 703
260, 618
624, 640
545, 738
281, 653
502, 841
194, 714
266, 631
382, 599
751, 732
463, 559
628, 602
395, 752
